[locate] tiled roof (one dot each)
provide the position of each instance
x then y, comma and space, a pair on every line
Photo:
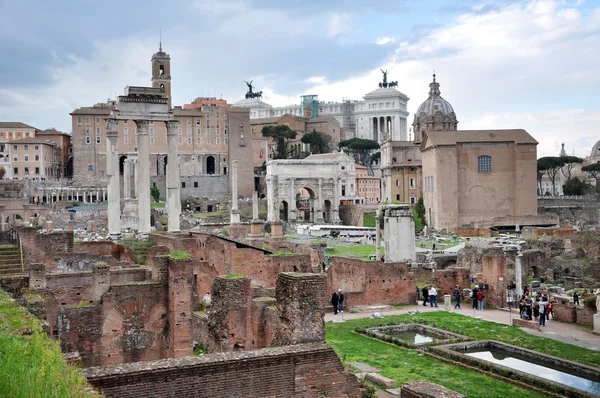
51, 131
445, 138
96, 110
33, 141
321, 119
15, 125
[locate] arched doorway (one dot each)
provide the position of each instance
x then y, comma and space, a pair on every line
327, 212
283, 211
210, 165
304, 203
122, 164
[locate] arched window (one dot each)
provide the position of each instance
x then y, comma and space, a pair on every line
484, 164
90, 168
161, 70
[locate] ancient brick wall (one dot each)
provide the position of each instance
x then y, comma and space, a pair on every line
306, 370
80, 333
590, 244
37, 248
495, 274
447, 279
563, 310
117, 251
180, 308
371, 282
473, 232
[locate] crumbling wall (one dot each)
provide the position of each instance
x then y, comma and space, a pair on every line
447, 279
371, 282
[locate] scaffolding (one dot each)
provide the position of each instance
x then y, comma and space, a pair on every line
309, 105
348, 113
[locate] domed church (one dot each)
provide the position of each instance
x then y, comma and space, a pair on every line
435, 114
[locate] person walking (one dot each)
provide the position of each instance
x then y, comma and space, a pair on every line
334, 302
340, 301
542, 310
432, 297
474, 293
576, 298
425, 292
480, 299
457, 297
324, 266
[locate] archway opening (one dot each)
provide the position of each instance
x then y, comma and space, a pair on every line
210, 165
122, 164
165, 161
327, 212
283, 211
304, 203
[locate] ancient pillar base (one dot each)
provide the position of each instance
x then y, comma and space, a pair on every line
447, 302
115, 237
256, 229
597, 323
234, 217
277, 230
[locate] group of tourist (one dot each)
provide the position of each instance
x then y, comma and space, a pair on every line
429, 296
337, 301
577, 295
478, 297
539, 308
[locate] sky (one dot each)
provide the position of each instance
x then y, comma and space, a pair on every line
501, 63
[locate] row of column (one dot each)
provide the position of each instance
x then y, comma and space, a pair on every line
142, 176
88, 195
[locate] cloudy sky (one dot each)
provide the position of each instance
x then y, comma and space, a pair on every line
501, 63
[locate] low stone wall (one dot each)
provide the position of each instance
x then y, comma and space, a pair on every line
300, 370
426, 389
522, 323
468, 232
385, 333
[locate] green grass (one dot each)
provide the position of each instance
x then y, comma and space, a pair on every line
284, 254
31, 365
180, 255
157, 205
404, 365
209, 214
139, 249
369, 220
358, 251
235, 276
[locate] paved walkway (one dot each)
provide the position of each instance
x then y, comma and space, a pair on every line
560, 331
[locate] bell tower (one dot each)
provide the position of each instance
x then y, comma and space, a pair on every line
161, 72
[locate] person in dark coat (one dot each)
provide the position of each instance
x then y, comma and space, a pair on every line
324, 266
334, 302
474, 297
425, 292
340, 301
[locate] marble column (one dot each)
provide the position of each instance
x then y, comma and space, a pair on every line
272, 213
377, 237
114, 186
127, 179
235, 212
292, 204
519, 276
254, 206
335, 206
143, 173
318, 218
135, 178
173, 180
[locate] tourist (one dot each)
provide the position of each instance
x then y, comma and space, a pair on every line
528, 307
432, 297
481, 299
340, 301
434, 246
334, 302
425, 292
324, 266
576, 298
474, 293
542, 310
206, 298
536, 310
457, 297
549, 308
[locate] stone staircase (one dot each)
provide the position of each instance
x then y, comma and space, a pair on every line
10, 260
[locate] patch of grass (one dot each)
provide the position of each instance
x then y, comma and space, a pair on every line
139, 249
357, 251
180, 255
235, 276
369, 220
200, 350
31, 365
209, 214
157, 205
284, 254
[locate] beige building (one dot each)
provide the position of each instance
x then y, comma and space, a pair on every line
401, 171
32, 158
11, 131
479, 178
63, 143
210, 138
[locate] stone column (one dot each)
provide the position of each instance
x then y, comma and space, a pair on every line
318, 219
112, 170
235, 213
173, 180
292, 204
272, 214
135, 178
254, 205
399, 233
519, 276
377, 237
2, 222
143, 172
126, 179
335, 206
256, 225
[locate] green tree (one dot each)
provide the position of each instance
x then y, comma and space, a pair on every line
361, 149
550, 165
593, 171
155, 193
419, 215
574, 186
2, 172
376, 157
281, 134
319, 142
569, 162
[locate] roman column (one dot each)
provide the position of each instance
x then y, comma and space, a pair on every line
272, 214
292, 204
135, 178
254, 206
377, 237
127, 179
235, 213
143, 173
318, 218
519, 276
173, 180
112, 170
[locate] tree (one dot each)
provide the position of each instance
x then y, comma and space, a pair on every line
319, 142
574, 186
569, 162
376, 157
419, 215
360, 148
155, 193
281, 134
551, 165
2, 172
593, 171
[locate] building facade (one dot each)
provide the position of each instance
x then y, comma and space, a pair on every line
63, 143
368, 187
10, 131
210, 138
34, 159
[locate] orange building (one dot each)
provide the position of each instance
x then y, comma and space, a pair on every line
10, 131
367, 186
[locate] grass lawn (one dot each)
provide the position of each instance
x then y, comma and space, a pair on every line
31, 365
358, 251
157, 205
209, 214
405, 365
139, 249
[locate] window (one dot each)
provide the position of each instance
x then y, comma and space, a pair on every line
189, 140
208, 140
15, 170
189, 121
225, 140
198, 121
87, 120
97, 140
97, 130
26, 171
198, 140
181, 140
37, 170
179, 131
90, 168
208, 131
16, 148
87, 130
189, 131
198, 131
182, 184
218, 140
36, 148
398, 197
25, 147
397, 183
37, 157
218, 132
207, 123
97, 119
484, 164
151, 130
88, 140
412, 182
152, 140
125, 131
195, 184
27, 158
78, 119
125, 140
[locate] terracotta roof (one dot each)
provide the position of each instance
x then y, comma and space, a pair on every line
96, 110
15, 125
321, 119
451, 138
33, 141
51, 131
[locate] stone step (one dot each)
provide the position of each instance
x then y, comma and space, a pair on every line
380, 380
11, 271
4, 248
4, 259
10, 265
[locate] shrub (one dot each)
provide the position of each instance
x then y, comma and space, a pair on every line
155, 193
590, 302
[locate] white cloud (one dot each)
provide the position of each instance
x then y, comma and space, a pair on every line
316, 80
384, 40
338, 24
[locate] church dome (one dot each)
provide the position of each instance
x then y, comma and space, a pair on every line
595, 156
435, 103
